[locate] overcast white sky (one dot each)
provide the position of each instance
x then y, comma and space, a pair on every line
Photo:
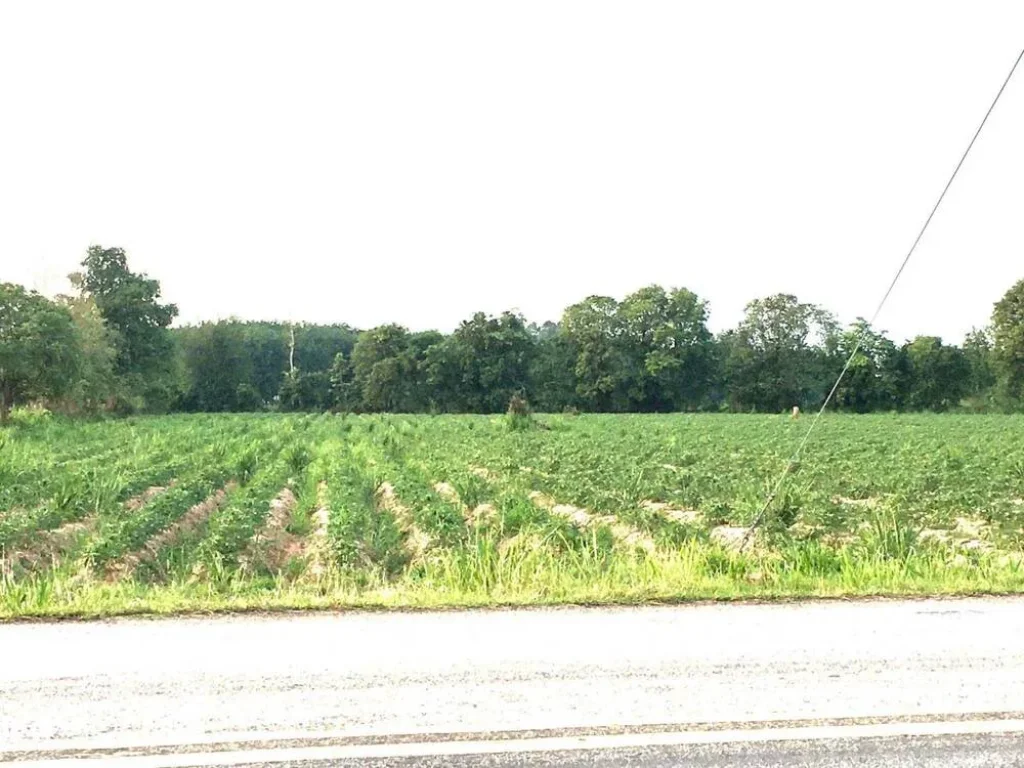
414, 162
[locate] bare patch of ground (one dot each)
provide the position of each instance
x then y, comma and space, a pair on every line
802, 530
971, 534
731, 537
447, 492
472, 515
48, 547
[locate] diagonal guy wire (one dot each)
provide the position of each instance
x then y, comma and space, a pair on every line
860, 341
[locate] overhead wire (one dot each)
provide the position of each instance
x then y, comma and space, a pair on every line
795, 458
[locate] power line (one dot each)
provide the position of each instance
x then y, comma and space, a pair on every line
860, 341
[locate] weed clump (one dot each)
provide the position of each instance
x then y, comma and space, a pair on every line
519, 417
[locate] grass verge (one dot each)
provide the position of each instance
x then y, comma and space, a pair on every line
528, 573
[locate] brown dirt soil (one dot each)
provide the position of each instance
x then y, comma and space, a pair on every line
173, 533
872, 502
729, 537
447, 492
48, 547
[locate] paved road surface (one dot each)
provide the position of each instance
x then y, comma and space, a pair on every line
827, 684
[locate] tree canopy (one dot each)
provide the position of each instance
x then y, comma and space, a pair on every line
38, 350
110, 345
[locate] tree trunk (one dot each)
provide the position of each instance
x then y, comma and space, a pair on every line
6, 402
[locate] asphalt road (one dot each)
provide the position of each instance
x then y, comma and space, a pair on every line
825, 684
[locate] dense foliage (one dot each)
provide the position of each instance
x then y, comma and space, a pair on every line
111, 347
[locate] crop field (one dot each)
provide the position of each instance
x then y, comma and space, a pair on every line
212, 512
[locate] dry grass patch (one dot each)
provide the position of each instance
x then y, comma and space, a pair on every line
272, 547
317, 546
415, 540
673, 515
483, 473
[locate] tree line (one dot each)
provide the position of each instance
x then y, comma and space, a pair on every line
110, 347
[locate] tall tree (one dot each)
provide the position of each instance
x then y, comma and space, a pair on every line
219, 371
978, 351
552, 379
38, 353
872, 381
781, 355
129, 304
381, 367
1008, 345
939, 375
94, 383
668, 347
593, 328
490, 360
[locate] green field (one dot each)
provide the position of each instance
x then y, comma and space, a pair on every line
216, 512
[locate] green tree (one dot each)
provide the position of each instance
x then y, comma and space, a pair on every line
939, 375
593, 329
872, 381
345, 395
982, 380
421, 395
38, 353
487, 360
219, 372
317, 345
94, 383
668, 347
552, 378
381, 367
1008, 345
305, 391
266, 347
782, 354
128, 303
